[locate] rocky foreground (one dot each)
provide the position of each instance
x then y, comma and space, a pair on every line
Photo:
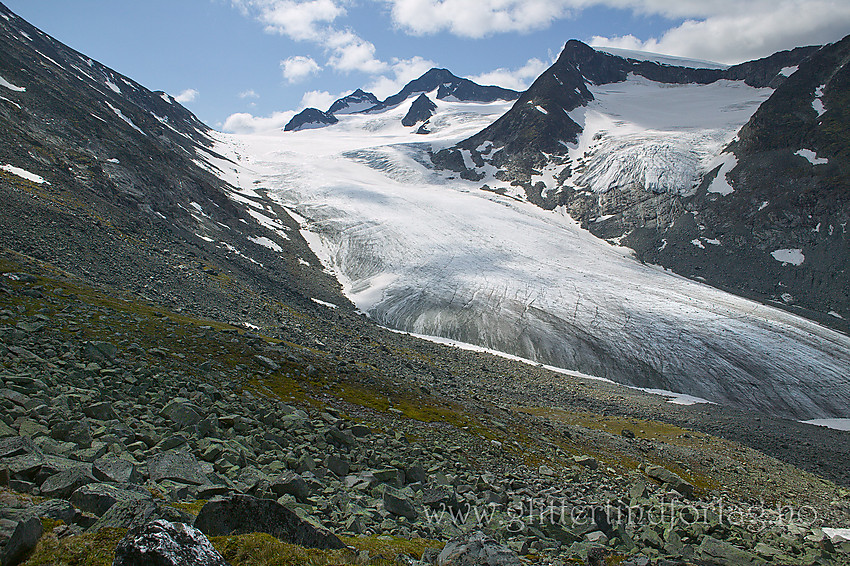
119, 416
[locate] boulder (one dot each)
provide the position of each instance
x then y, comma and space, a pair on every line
63, 484
102, 411
721, 552
23, 539
337, 465
77, 432
664, 475
290, 483
241, 514
162, 543
178, 466
476, 550
98, 498
17, 446
99, 351
397, 503
114, 469
132, 513
182, 412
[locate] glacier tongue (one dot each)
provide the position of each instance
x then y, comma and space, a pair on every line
426, 253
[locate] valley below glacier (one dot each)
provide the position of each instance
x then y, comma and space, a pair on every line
428, 253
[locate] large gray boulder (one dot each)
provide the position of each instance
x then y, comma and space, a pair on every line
114, 469
133, 513
63, 484
98, 498
664, 475
290, 483
23, 539
162, 543
397, 503
241, 514
182, 412
477, 550
178, 466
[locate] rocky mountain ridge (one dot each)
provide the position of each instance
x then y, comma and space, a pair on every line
441, 81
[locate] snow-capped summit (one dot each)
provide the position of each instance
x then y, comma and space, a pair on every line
357, 101
310, 118
447, 87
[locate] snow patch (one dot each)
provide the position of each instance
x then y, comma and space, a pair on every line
661, 59
698, 243
788, 71
113, 160
792, 256
811, 157
541, 109
835, 314
763, 205
817, 103
12, 102
303, 262
113, 87
24, 174
266, 242
324, 303
10, 86
720, 184
126, 119
835, 424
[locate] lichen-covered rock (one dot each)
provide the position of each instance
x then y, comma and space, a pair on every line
161, 543
240, 514
477, 550
23, 539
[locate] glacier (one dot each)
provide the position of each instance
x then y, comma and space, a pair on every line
429, 253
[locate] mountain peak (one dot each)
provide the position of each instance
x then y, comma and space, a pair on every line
357, 101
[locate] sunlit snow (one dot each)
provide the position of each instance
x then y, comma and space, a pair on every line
811, 157
23, 174
10, 86
659, 136
792, 256
428, 253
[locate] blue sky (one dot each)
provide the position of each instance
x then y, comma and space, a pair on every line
250, 64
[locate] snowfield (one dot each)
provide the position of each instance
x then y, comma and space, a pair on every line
431, 254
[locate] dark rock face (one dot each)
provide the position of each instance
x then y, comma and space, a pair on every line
310, 118
161, 543
781, 200
421, 109
240, 514
357, 101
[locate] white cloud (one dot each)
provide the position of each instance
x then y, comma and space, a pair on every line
517, 79
477, 18
298, 20
188, 95
350, 52
244, 123
320, 99
728, 31
403, 71
248, 94
298, 68
747, 30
